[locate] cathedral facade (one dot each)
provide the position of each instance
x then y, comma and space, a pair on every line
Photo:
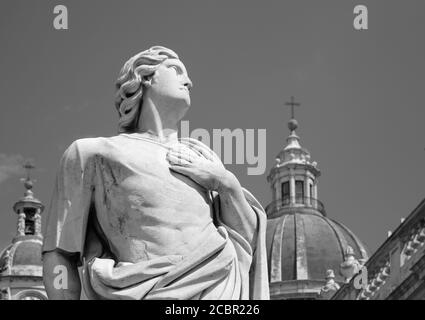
396, 271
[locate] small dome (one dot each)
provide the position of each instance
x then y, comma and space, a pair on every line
22, 257
304, 244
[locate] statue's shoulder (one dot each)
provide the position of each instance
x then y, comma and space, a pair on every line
86, 148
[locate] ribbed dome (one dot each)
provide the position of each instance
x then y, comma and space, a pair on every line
22, 257
303, 244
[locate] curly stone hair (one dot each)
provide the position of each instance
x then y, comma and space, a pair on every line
129, 86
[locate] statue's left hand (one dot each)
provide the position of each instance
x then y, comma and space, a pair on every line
202, 165
198, 162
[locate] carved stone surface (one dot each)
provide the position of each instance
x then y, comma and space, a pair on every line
351, 266
330, 288
4, 294
21, 224
37, 221
6, 259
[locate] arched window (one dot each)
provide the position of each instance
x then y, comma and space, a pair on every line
30, 295
286, 196
29, 220
299, 191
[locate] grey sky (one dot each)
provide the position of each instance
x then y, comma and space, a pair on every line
362, 107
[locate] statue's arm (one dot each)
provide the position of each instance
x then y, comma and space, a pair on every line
64, 229
60, 276
235, 211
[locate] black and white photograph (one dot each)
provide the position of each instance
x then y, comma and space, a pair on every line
228, 151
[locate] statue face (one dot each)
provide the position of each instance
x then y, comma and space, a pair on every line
170, 84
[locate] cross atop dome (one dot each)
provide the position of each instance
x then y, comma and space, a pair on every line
28, 182
292, 124
28, 166
292, 104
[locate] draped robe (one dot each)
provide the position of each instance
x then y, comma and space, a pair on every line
141, 231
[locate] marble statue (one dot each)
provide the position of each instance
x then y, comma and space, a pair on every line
148, 215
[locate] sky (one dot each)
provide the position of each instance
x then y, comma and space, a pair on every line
361, 92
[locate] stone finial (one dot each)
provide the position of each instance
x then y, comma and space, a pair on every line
330, 274
330, 288
292, 125
351, 266
349, 251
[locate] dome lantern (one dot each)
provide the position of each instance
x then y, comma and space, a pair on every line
20, 262
302, 242
293, 178
28, 209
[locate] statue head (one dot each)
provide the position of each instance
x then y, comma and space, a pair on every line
157, 72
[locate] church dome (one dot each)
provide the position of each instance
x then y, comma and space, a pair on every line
21, 267
22, 257
304, 244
